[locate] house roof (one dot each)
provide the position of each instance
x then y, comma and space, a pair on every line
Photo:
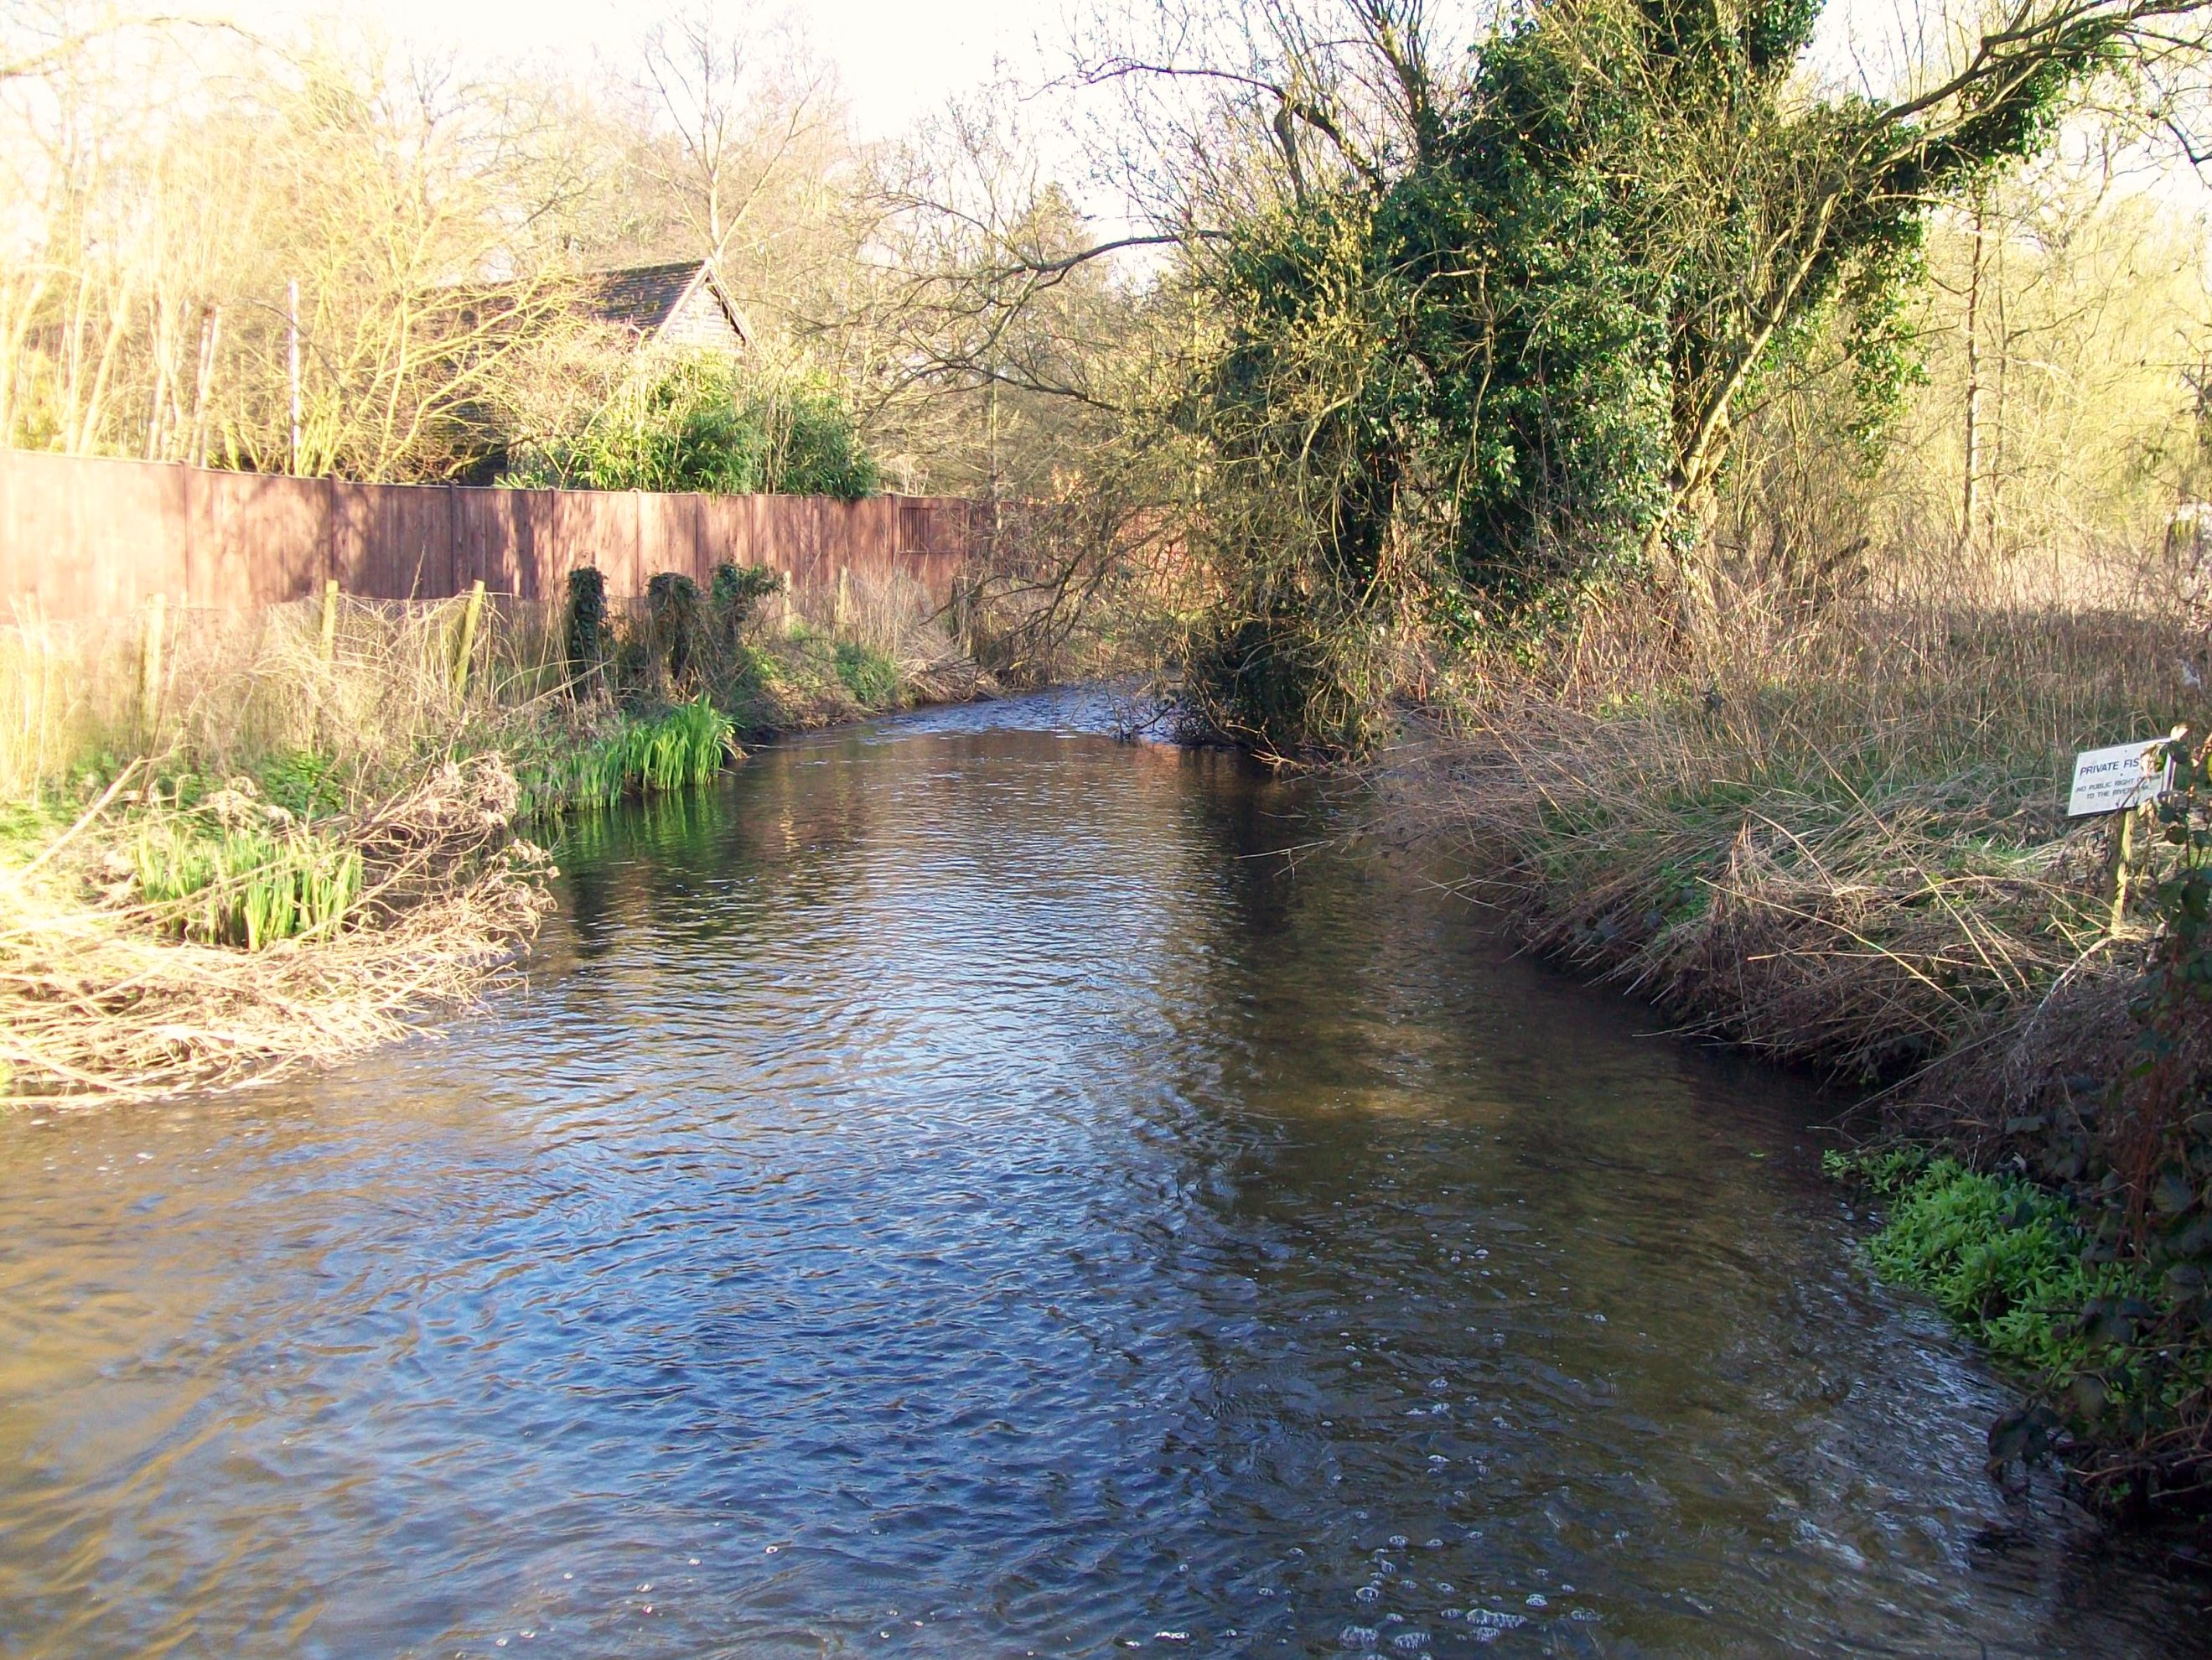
642, 298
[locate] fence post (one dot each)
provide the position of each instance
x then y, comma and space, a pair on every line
468, 640
327, 645
150, 665
2118, 870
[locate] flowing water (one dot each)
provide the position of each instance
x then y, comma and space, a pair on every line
958, 1190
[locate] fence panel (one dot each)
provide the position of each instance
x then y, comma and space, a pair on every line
253, 540
124, 523
87, 536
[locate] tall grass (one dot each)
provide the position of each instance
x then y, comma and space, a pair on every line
233, 690
1838, 837
298, 834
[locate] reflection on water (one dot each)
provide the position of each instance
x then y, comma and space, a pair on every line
951, 1193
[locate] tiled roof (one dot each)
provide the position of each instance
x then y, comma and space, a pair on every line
639, 297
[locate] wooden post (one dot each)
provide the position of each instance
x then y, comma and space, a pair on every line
837, 621
150, 665
327, 646
2117, 873
466, 648
292, 313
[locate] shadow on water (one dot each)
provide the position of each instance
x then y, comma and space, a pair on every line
958, 1190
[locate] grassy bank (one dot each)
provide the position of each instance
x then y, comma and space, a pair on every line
1838, 839
230, 845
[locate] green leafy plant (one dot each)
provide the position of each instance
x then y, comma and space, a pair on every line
871, 677
229, 885
304, 783
704, 420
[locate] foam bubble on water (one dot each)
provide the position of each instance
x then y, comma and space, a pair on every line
1368, 1594
1357, 1637
1492, 1619
1536, 1600
1399, 1542
1407, 1641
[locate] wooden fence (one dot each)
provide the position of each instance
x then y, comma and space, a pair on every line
88, 537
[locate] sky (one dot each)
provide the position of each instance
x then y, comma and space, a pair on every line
897, 59
900, 60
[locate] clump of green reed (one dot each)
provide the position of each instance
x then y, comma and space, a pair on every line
227, 884
677, 748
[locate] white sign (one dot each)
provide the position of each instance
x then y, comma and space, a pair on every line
2125, 776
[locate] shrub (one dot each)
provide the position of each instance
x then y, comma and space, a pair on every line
733, 592
871, 677
677, 624
707, 421
585, 627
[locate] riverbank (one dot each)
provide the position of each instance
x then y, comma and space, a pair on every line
1841, 843
236, 845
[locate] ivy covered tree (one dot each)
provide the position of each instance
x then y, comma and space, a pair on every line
1496, 353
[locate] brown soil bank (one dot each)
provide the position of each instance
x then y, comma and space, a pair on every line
1841, 842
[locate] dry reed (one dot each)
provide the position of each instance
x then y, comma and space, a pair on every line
1836, 838
100, 1002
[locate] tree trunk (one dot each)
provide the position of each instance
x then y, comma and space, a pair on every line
1973, 467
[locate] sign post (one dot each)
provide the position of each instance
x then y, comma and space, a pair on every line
2121, 778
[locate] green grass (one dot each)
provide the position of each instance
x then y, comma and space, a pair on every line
871, 677
27, 827
248, 887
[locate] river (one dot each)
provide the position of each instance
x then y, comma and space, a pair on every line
965, 1187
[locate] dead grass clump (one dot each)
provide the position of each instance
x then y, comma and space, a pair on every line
1840, 843
100, 1000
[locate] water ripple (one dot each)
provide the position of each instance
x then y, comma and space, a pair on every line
954, 1192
